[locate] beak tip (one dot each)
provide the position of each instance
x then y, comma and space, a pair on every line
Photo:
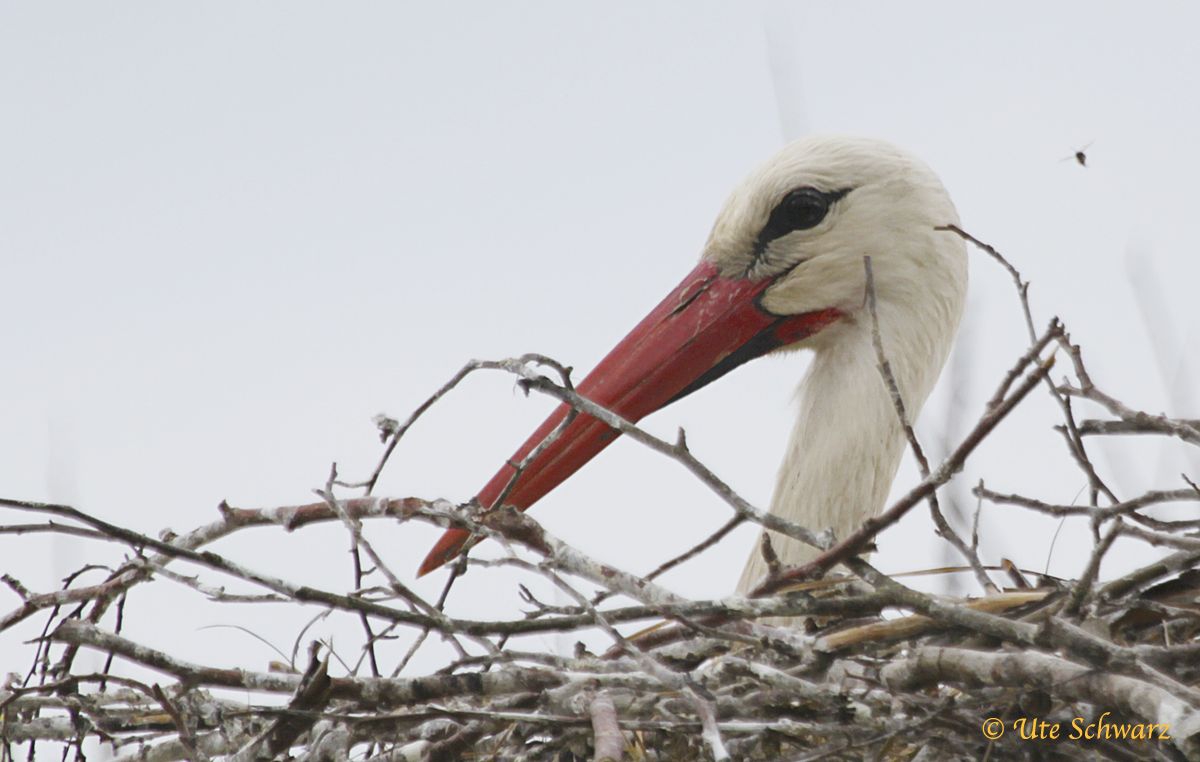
449, 546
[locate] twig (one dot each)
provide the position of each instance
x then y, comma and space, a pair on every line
1074, 440
1091, 571
609, 743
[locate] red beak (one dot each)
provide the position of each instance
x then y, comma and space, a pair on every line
707, 326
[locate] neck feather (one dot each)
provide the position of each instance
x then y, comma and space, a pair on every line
847, 443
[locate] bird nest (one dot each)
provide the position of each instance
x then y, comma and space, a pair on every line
829, 660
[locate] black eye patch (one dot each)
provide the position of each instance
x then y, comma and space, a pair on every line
801, 209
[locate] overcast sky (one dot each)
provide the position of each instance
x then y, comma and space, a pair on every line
231, 233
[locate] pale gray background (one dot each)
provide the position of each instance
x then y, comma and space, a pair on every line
231, 233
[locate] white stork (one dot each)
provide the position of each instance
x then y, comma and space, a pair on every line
782, 270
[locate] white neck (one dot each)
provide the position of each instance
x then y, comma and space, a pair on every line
847, 443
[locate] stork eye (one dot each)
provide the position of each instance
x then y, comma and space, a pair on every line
800, 209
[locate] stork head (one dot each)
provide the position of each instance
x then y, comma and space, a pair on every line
804, 220
783, 268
